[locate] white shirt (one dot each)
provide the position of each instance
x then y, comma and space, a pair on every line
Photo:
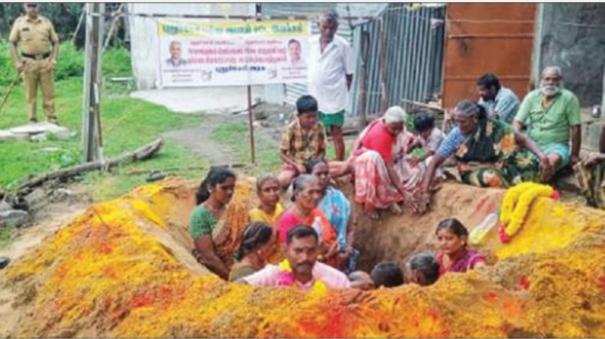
327, 81
433, 141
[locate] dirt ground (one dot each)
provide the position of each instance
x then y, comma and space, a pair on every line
197, 140
46, 221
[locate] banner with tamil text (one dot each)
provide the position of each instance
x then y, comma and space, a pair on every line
223, 53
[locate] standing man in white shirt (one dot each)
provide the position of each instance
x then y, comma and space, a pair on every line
331, 68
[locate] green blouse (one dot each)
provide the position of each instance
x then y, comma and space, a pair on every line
202, 222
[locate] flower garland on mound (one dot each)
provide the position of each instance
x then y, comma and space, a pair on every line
516, 205
286, 278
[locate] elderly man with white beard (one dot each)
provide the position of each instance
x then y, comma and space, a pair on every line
550, 115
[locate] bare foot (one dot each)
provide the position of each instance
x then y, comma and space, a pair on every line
395, 209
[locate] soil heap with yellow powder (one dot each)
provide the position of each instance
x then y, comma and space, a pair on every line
124, 268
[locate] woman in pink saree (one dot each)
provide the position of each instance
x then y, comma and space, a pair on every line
383, 176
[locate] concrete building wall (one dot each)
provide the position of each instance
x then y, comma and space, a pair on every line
572, 36
143, 32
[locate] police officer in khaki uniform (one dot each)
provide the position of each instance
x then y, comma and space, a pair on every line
35, 46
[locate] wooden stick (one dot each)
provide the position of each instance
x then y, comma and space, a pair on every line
251, 126
112, 26
73, 37
10, 90
446, 122
141, 153
181, 169
423, 105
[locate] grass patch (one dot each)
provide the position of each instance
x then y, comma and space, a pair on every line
236, 136
173, 159
127, 124
7, 234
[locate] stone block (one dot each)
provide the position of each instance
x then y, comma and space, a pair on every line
14, 218
4, 206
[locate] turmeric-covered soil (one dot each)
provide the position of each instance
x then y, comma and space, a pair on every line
124, 269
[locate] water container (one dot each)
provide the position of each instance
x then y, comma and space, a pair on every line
490, 222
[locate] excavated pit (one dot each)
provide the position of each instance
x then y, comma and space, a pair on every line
124, 268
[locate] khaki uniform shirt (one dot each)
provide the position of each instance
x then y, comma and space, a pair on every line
34, 36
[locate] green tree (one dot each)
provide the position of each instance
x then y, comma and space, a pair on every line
64, 16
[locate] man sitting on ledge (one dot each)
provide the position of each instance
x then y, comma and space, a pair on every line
550, 113
300, 268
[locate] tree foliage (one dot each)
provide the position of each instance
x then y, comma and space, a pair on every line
63, 15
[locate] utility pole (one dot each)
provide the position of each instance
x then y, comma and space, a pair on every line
92, 141
258, 16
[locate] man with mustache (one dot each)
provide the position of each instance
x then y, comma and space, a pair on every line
551, 115
300, 269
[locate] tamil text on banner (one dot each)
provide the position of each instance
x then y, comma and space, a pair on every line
224, 53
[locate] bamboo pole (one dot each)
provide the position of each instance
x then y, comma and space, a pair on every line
91, 133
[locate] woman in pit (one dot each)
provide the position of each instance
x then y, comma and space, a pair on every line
306, 194
269, 210
254, 250
207, 225
454, 254
337, 208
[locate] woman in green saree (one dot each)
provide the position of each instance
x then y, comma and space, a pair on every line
206, 225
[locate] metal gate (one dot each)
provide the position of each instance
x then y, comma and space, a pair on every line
413, 57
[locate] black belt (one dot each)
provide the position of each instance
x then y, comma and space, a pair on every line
36, 56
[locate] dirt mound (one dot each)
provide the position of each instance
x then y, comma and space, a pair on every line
123, 268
